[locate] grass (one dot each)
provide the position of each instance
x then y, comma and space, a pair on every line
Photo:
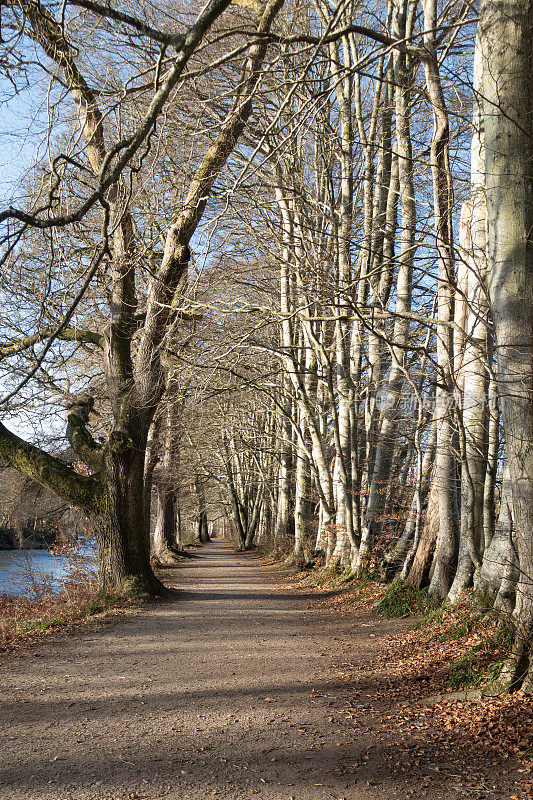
401, 599
462, 672
475, 638
481, 663
330, 577
343, 587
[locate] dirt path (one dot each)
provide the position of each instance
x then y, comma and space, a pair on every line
238, 689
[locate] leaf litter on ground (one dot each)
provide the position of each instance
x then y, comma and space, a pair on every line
447, 649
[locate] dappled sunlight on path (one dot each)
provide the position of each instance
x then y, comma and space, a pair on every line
234, 690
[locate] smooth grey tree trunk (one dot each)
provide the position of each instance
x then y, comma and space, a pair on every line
506, 32
388, 419
499, 571
446, 553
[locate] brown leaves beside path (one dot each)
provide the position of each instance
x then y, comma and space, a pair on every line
448, 736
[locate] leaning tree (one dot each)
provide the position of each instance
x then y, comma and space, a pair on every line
104, 159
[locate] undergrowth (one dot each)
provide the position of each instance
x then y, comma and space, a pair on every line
331, 577
482, 661
402, 598
449, 649
21, 618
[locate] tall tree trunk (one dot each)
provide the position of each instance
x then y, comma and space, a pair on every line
166, 522
122, 532
282, 524
446, 554
165, 529
302, 488
499, 572
506, 31
493, 445
406, 547
389, 416
420, 571
475, 367
202, 527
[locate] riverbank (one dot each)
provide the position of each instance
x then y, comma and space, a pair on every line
57, 591
44, 592
35, 573
24, 620
10, 540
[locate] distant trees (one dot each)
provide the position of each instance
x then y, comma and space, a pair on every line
401, 331
31, 516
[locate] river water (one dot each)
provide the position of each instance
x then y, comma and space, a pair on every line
21, 570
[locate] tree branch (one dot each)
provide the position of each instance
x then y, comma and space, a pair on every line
66, 335
80, 490
177, 254
113, 164
78, 435
174, 39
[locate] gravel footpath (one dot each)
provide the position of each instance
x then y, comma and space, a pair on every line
234, 690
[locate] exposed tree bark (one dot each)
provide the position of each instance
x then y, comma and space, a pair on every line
499, 572
475, 367
446, 554
506, 32
420, 571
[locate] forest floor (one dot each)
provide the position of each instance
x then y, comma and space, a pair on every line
244, 686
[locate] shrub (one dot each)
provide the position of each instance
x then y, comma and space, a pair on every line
402, 598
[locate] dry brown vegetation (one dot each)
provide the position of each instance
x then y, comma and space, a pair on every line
436, 667
45, 609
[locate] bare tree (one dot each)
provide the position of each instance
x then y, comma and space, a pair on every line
113, 494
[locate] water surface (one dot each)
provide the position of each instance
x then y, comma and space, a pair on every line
21, 571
